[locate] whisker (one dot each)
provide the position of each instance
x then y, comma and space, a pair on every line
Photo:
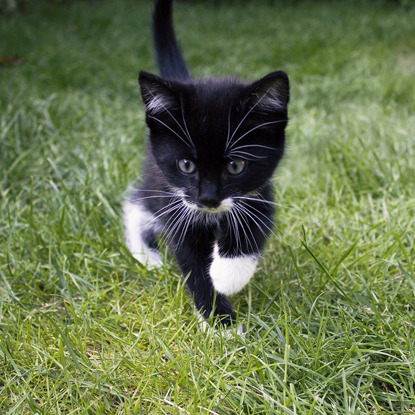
171, 226
184, 122
229, 227
240, 215
174, 132
256, 210
136, 197
253, 146
158, 191
188, 221
171, 116
154, 196
246, 115
165, 210
255, 128
245, 155
254, 199
183, 131
182, 224
236, 230
229, 128
254, 218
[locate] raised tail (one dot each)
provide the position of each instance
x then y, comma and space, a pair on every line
169, 57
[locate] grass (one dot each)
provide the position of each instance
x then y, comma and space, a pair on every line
330, 314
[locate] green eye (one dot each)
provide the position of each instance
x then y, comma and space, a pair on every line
186, 166
235, 167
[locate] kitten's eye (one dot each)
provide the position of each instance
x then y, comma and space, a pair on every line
186, 166
236, 167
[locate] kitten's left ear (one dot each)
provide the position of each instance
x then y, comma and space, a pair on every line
271, 93
158, 94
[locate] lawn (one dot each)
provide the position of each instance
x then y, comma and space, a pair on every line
330, 315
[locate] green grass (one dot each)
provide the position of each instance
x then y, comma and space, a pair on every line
330, 313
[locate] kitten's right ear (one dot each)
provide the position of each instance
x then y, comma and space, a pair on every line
157, 93
271, 93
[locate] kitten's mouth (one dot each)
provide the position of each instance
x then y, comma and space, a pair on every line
224, 206
218, 209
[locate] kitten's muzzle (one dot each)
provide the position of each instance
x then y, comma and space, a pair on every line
214, 206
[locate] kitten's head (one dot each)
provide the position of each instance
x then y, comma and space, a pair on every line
216, 139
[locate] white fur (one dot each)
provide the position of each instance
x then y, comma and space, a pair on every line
271, 102
137, 220
157, 104
272, 99
230, 275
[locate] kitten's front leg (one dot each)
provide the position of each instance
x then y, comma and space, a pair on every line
229, 273
236, 252
193, 255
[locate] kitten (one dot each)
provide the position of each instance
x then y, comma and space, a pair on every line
213, 147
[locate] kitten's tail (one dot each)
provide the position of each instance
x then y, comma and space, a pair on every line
169, 57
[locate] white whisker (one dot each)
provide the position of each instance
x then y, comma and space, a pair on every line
253, 129
255, 219
236, 230
188, 221
245, 155
165, 210
173, 131
253, 146
184, 122
244, 118
241, 217
160, 104
172, 225
155, 190
254, 199
155, 197
229, 128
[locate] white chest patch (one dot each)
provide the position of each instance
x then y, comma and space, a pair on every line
230, 275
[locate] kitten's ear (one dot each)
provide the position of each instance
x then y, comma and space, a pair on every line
271, 93
157, 93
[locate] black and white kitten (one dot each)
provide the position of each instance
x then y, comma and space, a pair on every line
213, 147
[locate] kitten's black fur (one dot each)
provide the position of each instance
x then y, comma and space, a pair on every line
213, 147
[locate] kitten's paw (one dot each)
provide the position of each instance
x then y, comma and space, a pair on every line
205, 327
150, 259
238, 330
230, 275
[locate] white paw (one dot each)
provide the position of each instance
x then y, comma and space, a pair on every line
151, 259
233, 331
230, 275
205, 327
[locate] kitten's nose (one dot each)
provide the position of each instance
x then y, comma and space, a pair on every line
208, 194
209, 202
